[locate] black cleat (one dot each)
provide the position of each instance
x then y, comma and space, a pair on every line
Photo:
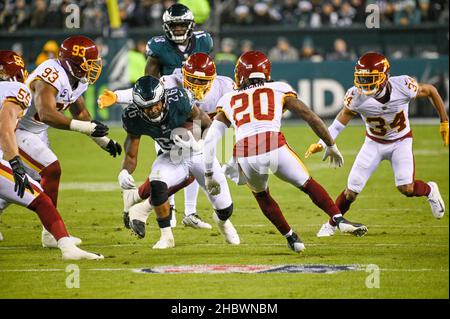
346, 226
138, 227
126, 220
294, 243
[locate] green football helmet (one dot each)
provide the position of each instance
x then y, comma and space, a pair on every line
147, 92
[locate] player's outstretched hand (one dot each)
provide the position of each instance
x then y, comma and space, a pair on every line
99, 130
20, 178
212, 186
106, 99
126, 181
191, 143
313, 148
444, 132
113, 148
336, 158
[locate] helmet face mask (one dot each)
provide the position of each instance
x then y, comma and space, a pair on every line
199, 72
371, 73
12, 67
178, 23
79, 56
149, 95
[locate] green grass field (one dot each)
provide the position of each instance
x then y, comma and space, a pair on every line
405, 241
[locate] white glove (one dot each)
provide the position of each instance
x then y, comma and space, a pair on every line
191, 143
126, 181
212, 186
336, 158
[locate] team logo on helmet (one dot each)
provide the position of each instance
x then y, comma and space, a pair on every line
12, 67
147, 92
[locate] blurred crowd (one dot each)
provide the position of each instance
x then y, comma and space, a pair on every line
317, 13
22, 14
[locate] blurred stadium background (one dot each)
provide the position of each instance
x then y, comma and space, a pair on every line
313, 44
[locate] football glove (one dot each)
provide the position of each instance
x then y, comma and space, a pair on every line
126, 181
191, 143
313, 148
212, 186
109, 145
336, 158
92, 128
106, 99
20, 178
443, 129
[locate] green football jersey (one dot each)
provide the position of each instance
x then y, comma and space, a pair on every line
178, 104
169, 55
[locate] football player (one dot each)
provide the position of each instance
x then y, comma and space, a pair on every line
255, 111
200, 78
159, 113
382, 102
58, 85
15, 185
167, 53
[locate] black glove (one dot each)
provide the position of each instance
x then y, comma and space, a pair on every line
114, 148
20, 178
100, 129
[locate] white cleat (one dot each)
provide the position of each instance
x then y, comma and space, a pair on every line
227, 229
138, 215
165, 243
436, 202
48, 241
71, 252
173, 219
327, 230
194, 221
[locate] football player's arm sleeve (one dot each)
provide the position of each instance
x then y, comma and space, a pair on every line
9, 113
131, 146
124, 96
303, 111
215, 132
339, 123
45, 102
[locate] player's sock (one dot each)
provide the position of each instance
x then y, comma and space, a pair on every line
144, 190
343, 204
190, 199
172, 201
420, 189
272, 211
320, 197
49, 216
50, 180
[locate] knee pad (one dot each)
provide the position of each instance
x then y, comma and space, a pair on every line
225, 213
159, 193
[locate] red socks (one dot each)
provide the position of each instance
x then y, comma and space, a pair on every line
50, 177
342, 203
420, 189
320, 197
49, 216
272, 211
144, 189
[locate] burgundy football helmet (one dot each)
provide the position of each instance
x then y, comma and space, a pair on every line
252, 65
199, 72
371, 73
12, 67
79, 56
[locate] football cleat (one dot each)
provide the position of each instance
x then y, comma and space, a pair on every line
346, 226
227, 229
138, 217
436, 202
173, 219
165, 242
48, 241
194, 221
294, 243
71, 252
326, 230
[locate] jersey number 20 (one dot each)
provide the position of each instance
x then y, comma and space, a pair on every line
241, 102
